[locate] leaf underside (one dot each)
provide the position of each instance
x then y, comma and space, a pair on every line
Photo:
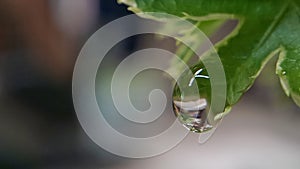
266, 28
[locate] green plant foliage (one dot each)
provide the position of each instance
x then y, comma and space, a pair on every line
266, 28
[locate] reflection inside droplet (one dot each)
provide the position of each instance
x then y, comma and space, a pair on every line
193, 114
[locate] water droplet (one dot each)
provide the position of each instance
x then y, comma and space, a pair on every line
283, 72
191, 108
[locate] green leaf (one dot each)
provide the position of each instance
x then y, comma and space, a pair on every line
184, 52
266, 28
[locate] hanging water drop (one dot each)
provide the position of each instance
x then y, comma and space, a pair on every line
191, 100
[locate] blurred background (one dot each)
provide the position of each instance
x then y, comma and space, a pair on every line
39, 43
